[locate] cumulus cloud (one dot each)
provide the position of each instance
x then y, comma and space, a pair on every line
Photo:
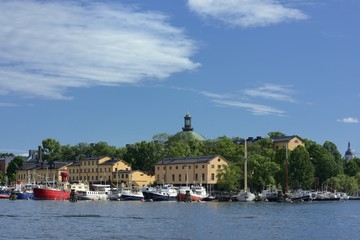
48, 47
348, 120
246, 13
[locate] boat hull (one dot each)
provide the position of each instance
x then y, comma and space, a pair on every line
154, 196
24, 195
245, 197
125, 197
51, 194
190, 197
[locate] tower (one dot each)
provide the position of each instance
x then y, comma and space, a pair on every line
187, 123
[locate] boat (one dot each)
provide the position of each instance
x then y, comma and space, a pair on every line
194, 193
325, 196
161, 193
269, 195
99, 192
60, 191
4, 192
245, 195
24, 191
115, 194
131, 195
300, 196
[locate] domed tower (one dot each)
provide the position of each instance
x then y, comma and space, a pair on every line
349, 154
187, 123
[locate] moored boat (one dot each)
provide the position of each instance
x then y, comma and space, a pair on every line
194, 193
162, 193
50, 193
131, 195
99, 192
300, 196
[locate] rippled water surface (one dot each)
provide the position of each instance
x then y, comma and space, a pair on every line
23, 219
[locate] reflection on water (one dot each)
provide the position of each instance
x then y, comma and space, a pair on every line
23, 219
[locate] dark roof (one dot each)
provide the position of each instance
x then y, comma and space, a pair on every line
179, 160
38, 166
112, 162
286, 138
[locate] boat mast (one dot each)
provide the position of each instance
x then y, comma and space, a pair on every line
245, 167
286, 170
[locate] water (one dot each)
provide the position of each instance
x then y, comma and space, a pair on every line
28, 219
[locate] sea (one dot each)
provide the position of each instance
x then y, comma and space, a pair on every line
31, 219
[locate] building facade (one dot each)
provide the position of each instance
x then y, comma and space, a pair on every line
96, 169
189, 170
132, 178
291, 142
41, 172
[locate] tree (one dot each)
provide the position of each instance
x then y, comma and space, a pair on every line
52, 150
14, 165
352, 167
332, 149
343, 183
276, 134
301, 170
228, 177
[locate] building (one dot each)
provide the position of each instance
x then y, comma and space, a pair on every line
189, 170
4, 162
96, 169
132, 178
41, 172
188, 132
290, 141
349, 154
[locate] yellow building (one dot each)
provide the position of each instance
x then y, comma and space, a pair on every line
41, 172
189, 170
290, 141
132, 178
96, 169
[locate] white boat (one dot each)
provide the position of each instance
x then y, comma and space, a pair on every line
194, 193
269, 195
245, 195
100, 192
131, 195
300, 195
115, 194
160, 193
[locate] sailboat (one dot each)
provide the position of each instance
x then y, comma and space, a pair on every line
245, 195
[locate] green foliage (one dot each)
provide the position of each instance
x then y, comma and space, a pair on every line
276, 134
228, 178
14, 164
301, 170
343, 183
352, 167
51, 149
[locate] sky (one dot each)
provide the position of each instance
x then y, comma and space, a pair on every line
122, 71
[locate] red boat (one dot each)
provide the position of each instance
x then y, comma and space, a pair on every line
195, 194
50, 194
53, 193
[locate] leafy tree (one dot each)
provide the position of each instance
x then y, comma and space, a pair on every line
14, 165
178, 149
352, 167
280, 160
228, 177
301, 170
276, 134
103, 149
52, 150
144, 155
226, 148
332, 149
161, 137
343, 183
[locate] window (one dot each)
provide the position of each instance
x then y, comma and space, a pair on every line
219, 166
176, 167
203, 166
196, 177
92, 163
212, 176
212, 166
196, 166
179, 177
189, 166
170, 167
173, 177
80, 171
183, 167
158, 168
218, 159
203, 177
164, 168
158, 177
92, 170
100, 169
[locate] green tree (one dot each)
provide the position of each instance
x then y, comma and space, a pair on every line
52, 150
352, 167
228, 177
103, 149
276, 134
343, 183
332, 149
14, 165
301, 170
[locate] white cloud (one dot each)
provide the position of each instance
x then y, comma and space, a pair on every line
246, 13
256, 109
348, 120
4, 104
48, 47
272, 92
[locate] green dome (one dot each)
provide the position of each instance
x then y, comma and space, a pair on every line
189, 135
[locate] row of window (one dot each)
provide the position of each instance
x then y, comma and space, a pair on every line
189, 167
88, 178
77, 170
185, 177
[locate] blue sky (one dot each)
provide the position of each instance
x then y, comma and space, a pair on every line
123, 71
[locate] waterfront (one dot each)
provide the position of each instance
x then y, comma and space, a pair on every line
22, 219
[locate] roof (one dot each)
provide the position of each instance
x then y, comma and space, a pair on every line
180, 160
38, 166
286, 138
